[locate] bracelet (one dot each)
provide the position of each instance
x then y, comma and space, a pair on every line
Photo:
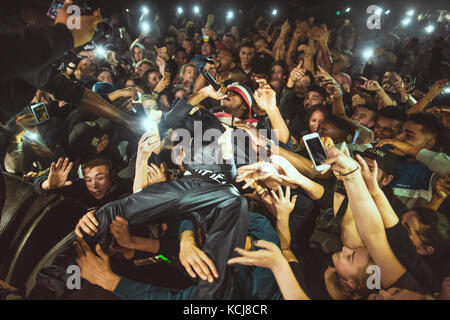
348, 173
285, 249
269, 144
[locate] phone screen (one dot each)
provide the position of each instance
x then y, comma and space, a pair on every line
40, 112
317, 151
53, 10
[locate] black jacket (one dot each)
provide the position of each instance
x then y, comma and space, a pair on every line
26, 65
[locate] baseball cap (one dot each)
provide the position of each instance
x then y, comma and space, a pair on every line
385, 159
246, 94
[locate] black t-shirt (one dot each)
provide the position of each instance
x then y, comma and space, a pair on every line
309, 273
406, 253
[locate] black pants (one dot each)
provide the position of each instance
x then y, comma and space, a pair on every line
218, 209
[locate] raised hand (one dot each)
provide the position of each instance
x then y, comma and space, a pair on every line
297, 73
370, 85
155, 174
121, 232
162, 53
163, 83
84, 32
285, 28
370, 176
341, 163
57, 177
283, 202
439, 86
148, 143
95, 268
195, 261
269, 256
265, 96
88, 223
398, 145
258, 171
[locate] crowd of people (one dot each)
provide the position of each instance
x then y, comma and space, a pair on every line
268, 226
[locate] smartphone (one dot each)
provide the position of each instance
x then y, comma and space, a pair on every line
54, 8
316, 151
40, 112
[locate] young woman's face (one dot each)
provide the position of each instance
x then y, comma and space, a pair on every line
316, 120
137, 54
349, 262
153, 79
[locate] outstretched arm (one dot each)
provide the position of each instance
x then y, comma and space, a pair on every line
368, 220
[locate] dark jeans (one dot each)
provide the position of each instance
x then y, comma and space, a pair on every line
218, 209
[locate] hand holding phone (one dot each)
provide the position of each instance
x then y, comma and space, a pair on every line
316, 151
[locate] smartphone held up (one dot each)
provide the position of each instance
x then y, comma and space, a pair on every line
316, 151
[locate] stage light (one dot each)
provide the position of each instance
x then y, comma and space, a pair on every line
127, 10
145, 10
33, 136
406, 21
388, 11
274, 12
379, 11
410, 13
446, 90
145, 27
180, 10
338, 12
196, 9
429, 28
100, 52
347, 10
368, 53
148, 124
230, 15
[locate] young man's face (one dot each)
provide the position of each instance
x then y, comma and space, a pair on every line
246, 55
328, 129
312, 99
234, 104
180, 58
412, 134
189, 46
386, 128
206, 49
228, 42
301, 86
278, 72
224, 61
140, 70
98, 181
364, 117
105, 76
